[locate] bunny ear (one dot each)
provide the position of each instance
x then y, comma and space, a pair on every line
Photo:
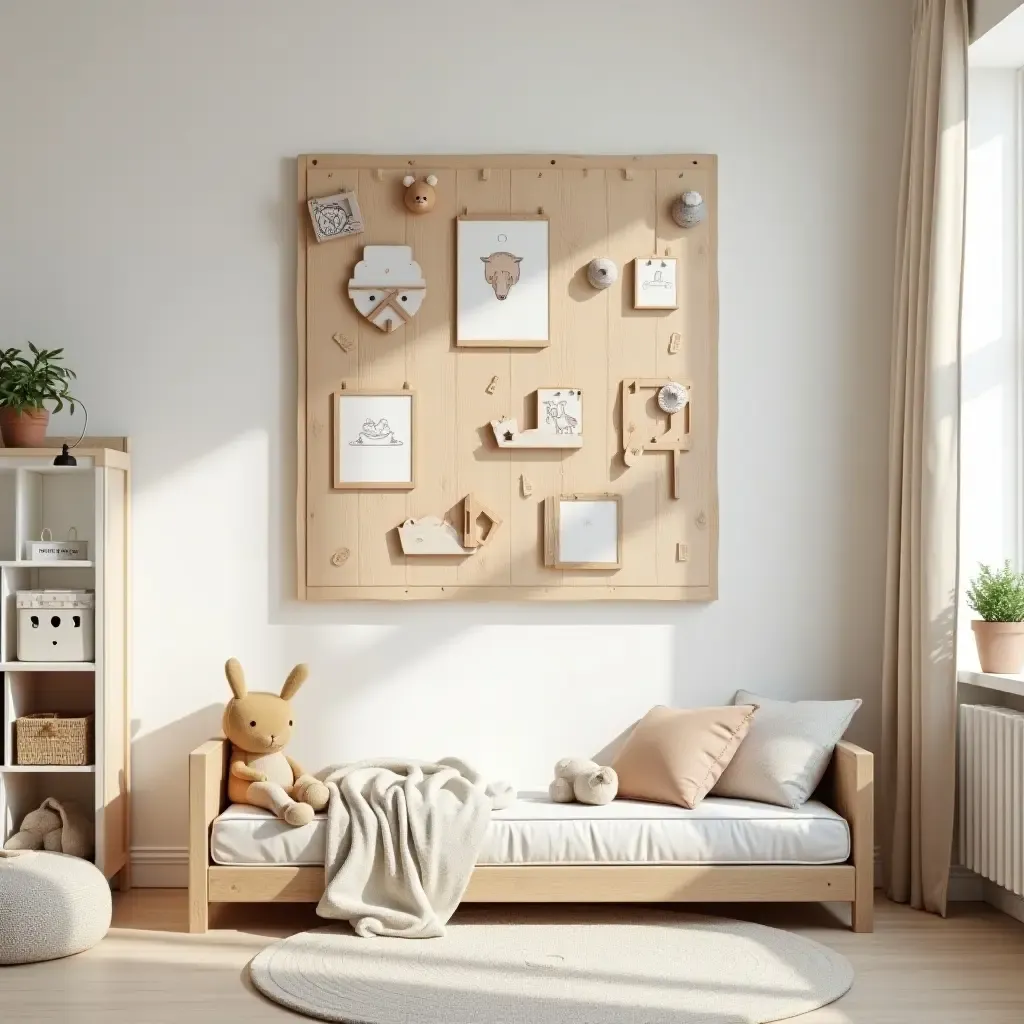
431, 180
296, 678
236, 678
408, 180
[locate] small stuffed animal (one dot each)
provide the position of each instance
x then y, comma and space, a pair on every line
55, 826
577, 778
259, 726
419, 195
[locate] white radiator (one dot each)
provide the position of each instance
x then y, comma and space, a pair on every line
991, 805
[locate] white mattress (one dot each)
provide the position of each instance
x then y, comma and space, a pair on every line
535, 831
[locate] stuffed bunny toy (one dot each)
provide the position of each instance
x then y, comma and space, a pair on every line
259, 726
577, 778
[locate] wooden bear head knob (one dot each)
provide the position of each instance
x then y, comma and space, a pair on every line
419, 195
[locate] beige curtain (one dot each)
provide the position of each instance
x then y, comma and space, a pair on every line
919, 673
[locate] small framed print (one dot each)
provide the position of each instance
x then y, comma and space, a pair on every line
583, 531
373, 440
335, 216
654, 284
501, 282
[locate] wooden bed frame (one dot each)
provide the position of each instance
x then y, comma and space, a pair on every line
848, 788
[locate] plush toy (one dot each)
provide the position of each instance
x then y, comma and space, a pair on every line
419, 195
259, 726
577, 778
57, 827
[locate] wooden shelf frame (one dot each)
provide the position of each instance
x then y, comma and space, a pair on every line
29, 491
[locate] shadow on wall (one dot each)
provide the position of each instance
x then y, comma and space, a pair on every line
162, 755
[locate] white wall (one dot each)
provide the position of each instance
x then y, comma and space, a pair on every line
990, 503
147, 222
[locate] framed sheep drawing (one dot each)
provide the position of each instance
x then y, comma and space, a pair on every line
373, 440
335, 216
502, 282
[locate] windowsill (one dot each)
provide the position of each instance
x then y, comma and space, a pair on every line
992, 681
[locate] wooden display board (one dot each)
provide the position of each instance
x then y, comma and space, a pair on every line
618, 207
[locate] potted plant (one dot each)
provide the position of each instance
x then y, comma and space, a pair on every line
26, 383
998, 597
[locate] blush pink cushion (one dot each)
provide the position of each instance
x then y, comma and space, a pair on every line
676, 755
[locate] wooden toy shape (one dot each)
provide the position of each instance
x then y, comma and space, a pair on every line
559, 422
430, 535
420, 195
640, 432
387, 286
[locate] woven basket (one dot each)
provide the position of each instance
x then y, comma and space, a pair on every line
54, 739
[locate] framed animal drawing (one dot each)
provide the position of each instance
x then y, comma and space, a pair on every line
335, 216
654, 285
502, 282
373, 440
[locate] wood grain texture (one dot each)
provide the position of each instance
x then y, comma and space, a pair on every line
848, 789
615, 206
915, 969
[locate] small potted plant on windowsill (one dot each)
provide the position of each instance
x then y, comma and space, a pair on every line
26, 384
998, 597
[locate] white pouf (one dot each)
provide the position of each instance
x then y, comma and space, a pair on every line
50, 906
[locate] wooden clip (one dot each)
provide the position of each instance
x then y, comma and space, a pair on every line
627, 173
405, 386
379, 174
491, 387
526, 485
540, 211
485, 174
465, 211
675, 342
344, 386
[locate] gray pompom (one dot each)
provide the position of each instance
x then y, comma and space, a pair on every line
689, 210
602, 272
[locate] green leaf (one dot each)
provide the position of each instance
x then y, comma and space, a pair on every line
997, 595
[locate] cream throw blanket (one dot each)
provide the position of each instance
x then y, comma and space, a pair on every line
402, 841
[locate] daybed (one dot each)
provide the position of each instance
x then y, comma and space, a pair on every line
539, 852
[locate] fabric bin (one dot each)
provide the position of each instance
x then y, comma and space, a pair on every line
46, 549
54, 739
56, 625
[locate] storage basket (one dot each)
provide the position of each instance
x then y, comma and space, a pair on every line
46, 549
54, 739
56, 625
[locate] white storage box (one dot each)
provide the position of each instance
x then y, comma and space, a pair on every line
56, 625
46, 549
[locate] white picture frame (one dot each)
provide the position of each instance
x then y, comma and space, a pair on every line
583, 531
502, 282
655, 282
374, 440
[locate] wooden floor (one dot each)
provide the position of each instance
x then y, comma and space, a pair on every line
915, 968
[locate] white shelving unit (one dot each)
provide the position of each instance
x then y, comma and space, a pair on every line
93, 497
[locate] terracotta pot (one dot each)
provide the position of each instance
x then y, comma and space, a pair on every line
1000, 646
24, 429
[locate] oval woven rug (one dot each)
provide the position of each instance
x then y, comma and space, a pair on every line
658, 967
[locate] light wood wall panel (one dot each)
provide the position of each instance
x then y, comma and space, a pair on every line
348, 547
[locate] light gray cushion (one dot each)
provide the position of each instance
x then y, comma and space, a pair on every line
787, 749
51, 905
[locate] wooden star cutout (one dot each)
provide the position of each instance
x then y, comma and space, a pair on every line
508, 435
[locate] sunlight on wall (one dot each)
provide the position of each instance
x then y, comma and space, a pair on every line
989, 439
